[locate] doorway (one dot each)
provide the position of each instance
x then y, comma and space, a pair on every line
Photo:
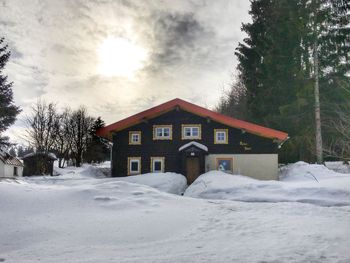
192, 169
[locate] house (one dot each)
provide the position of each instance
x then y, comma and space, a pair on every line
10, 166
38, 163
178, 136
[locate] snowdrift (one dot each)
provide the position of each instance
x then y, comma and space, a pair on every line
87, 174
300, 182
78, 217
166, 182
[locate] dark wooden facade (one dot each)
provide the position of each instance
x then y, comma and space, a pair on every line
39, 163
239, 142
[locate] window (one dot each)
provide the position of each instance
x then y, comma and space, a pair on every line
224, 164
220, 136
15, 171
191, 131
162, 132
157, 164
135, 137
134, 165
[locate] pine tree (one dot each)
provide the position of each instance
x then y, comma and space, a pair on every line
278, 70
8, 111
272, 71
12, 152
328, 40
98, 149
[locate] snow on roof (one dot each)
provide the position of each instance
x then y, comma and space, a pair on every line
197, 144
50, 155
7, 158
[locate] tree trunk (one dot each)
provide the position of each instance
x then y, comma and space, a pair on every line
318, 133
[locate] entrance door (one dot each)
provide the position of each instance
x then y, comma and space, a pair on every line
192, 169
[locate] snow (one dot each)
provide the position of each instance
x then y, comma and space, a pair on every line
51, 155
81, 216
300, 182
197, 144
87, 174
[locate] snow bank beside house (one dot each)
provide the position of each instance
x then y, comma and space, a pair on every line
302, 171
300, 182
166, 182
98, 174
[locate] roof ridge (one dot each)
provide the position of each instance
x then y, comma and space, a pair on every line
195, 109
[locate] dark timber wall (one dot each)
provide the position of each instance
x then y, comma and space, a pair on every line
238, 142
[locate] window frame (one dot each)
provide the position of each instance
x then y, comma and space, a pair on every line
216, 141
156, 137
191, 137
133, 159
154, 159
218, 159
131, 133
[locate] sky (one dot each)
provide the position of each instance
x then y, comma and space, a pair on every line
119, 57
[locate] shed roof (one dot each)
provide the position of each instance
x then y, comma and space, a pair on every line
49, 155
195, 109
6, 158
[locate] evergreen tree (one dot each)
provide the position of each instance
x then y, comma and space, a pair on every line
8, 111
277, 67
12, 152
98, 149
328, 38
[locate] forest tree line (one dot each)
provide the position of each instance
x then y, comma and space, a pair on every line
294, 75
69, 134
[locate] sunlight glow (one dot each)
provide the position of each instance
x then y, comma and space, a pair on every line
120, 57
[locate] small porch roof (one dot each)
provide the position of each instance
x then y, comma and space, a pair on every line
193, 143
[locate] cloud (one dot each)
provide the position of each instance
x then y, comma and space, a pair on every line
54, 51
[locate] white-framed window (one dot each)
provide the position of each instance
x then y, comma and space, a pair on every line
135, 137
157, 164
134, 165
220, 136
162, 132
191, 131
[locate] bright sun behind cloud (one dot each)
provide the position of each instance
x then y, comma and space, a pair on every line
120, 57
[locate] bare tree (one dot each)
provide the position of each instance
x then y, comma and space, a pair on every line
80, 124
339, 145
40, 126
63, 137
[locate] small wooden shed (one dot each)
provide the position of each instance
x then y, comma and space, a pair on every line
38, 163
10, 166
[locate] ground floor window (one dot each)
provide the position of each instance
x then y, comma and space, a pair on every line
157, 164
134, 165
224, 164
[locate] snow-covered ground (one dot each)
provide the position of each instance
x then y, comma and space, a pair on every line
81, 216
299, 182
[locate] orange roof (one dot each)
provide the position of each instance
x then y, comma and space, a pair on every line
195, 109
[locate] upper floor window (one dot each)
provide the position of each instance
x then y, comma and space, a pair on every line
134, 165
191, 131
134, 137
162, 132
220, 136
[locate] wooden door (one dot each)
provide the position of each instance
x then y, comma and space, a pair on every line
192, 169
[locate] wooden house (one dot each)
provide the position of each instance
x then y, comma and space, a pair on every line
178, 136
10, 166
